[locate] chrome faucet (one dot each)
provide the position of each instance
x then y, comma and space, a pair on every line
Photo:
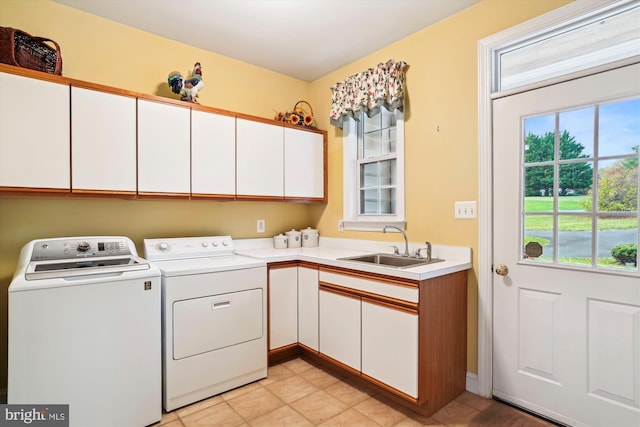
428, 248
406, 242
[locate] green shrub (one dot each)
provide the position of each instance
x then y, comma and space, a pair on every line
626, 253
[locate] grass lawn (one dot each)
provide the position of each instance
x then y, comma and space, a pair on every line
569, 222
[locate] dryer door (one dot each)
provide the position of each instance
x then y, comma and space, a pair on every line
210, 323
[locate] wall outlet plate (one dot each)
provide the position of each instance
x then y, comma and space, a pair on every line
465, 210
260, 226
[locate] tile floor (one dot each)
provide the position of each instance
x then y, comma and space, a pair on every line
296, 393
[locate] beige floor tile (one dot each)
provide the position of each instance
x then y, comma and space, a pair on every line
383, 414
455, 414
474, 400
220, 415
292, 388
409, 422
241, 390
198, 406
318, 377
167, 417
255, 403
319, 406
174, 423
298, 365
277, 373
350, 418
284, 416
346, 394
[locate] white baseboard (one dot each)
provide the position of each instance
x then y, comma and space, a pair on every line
472, 382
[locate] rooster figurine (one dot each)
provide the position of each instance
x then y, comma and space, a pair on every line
187, 89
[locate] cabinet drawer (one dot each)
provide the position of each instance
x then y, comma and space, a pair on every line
399, 290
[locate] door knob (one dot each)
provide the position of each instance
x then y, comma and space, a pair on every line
502, 270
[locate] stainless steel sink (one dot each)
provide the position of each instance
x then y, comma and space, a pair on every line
395, 261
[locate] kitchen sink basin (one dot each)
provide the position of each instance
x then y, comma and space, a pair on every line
395, 261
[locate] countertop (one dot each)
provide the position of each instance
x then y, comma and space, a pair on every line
330, 250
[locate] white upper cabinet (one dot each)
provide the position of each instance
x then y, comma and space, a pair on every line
164, 145
103, 134
213, 154
303, 164
260, 162
34, 133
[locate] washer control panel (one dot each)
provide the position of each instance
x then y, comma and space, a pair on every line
187, 247
68, 248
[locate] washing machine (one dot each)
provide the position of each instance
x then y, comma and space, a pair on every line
85, 330
214, 317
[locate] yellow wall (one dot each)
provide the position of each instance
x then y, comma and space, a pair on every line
441, 167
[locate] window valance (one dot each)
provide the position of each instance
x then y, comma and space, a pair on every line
368, 91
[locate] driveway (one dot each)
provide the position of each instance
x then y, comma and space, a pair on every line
577, 244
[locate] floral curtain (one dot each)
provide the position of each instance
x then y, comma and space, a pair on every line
368, 91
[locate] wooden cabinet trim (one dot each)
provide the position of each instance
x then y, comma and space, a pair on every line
392, 305
398, 304
388, 388
338, 290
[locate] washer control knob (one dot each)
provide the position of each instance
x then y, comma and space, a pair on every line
215, 244
84, 247
225, 243
205, 244
163, 246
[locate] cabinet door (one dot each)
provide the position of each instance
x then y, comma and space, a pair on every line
283, 307
340, 328
103, 136
163, 148
34, 133
213, 154
260, 167
308, 307
303, 164
390, 346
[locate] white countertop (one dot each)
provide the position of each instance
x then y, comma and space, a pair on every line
331, 249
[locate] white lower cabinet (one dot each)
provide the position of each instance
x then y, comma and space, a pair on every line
340, 327
308, 307
283, 307
390, 346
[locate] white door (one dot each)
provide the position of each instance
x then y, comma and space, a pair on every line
566, 322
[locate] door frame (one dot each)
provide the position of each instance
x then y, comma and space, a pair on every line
486, 69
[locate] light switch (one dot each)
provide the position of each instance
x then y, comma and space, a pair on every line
465, 210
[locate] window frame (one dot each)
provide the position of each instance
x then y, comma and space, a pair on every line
352, 220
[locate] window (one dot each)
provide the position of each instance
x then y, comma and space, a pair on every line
601, 37
581, 186
374, 171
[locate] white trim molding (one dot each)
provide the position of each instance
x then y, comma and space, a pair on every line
486, 78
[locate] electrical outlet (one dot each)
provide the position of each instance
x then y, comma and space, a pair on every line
340, 225
260, 226
465, 210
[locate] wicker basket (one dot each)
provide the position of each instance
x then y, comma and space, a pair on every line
299, 116
23, 50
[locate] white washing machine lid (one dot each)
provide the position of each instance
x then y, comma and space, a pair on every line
182, 267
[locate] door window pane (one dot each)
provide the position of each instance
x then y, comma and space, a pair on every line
538, 230
576, 133
587, 182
